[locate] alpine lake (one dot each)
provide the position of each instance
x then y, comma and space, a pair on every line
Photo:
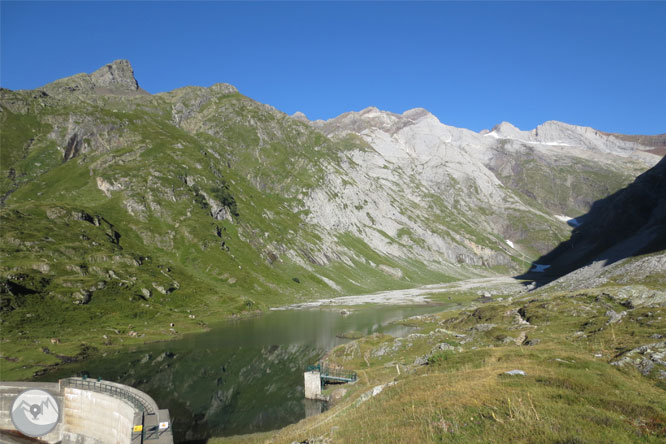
243, 375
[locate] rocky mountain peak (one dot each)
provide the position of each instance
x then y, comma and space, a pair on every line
223, 88
506, 129
370, 111
115, 78
300, 116
416, 113
115, 75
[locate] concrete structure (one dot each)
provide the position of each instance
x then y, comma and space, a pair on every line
312, 385
313, 407
92, 412
318, 375
114, 423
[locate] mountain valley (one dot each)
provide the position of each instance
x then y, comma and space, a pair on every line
130, 217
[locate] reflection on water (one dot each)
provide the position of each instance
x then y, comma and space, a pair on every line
242, 376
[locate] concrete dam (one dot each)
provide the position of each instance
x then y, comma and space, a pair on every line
85, 412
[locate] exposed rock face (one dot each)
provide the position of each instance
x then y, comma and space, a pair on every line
115, 78
657, 142
117, 75
300, 116
554, 134
499, 174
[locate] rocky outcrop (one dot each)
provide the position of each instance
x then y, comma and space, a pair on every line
115, 78
649, 359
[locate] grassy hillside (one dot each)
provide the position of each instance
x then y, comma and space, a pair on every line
116, 216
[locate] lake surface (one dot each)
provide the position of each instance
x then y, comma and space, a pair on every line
242, 376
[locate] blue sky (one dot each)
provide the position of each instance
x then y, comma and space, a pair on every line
473, 65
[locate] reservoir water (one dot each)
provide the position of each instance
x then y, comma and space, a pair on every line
241, 376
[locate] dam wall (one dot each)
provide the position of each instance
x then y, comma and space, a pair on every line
95, 417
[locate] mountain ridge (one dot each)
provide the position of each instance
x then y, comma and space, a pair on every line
118, 76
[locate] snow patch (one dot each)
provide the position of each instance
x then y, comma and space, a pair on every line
509, 243
569, 220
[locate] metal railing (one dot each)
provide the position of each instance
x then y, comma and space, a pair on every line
330, 374
135, 400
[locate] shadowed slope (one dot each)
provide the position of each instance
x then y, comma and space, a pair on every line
627, 223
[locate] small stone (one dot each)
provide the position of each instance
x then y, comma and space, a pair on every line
159, 288
82, 297
377, 390
55, 341
421, 360
515, 373
614, 317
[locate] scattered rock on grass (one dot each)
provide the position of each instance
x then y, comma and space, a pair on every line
443, 346
646, 358
82, 297
374, 392
482, 327
614, 317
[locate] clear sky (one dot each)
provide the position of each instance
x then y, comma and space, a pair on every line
473, 65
